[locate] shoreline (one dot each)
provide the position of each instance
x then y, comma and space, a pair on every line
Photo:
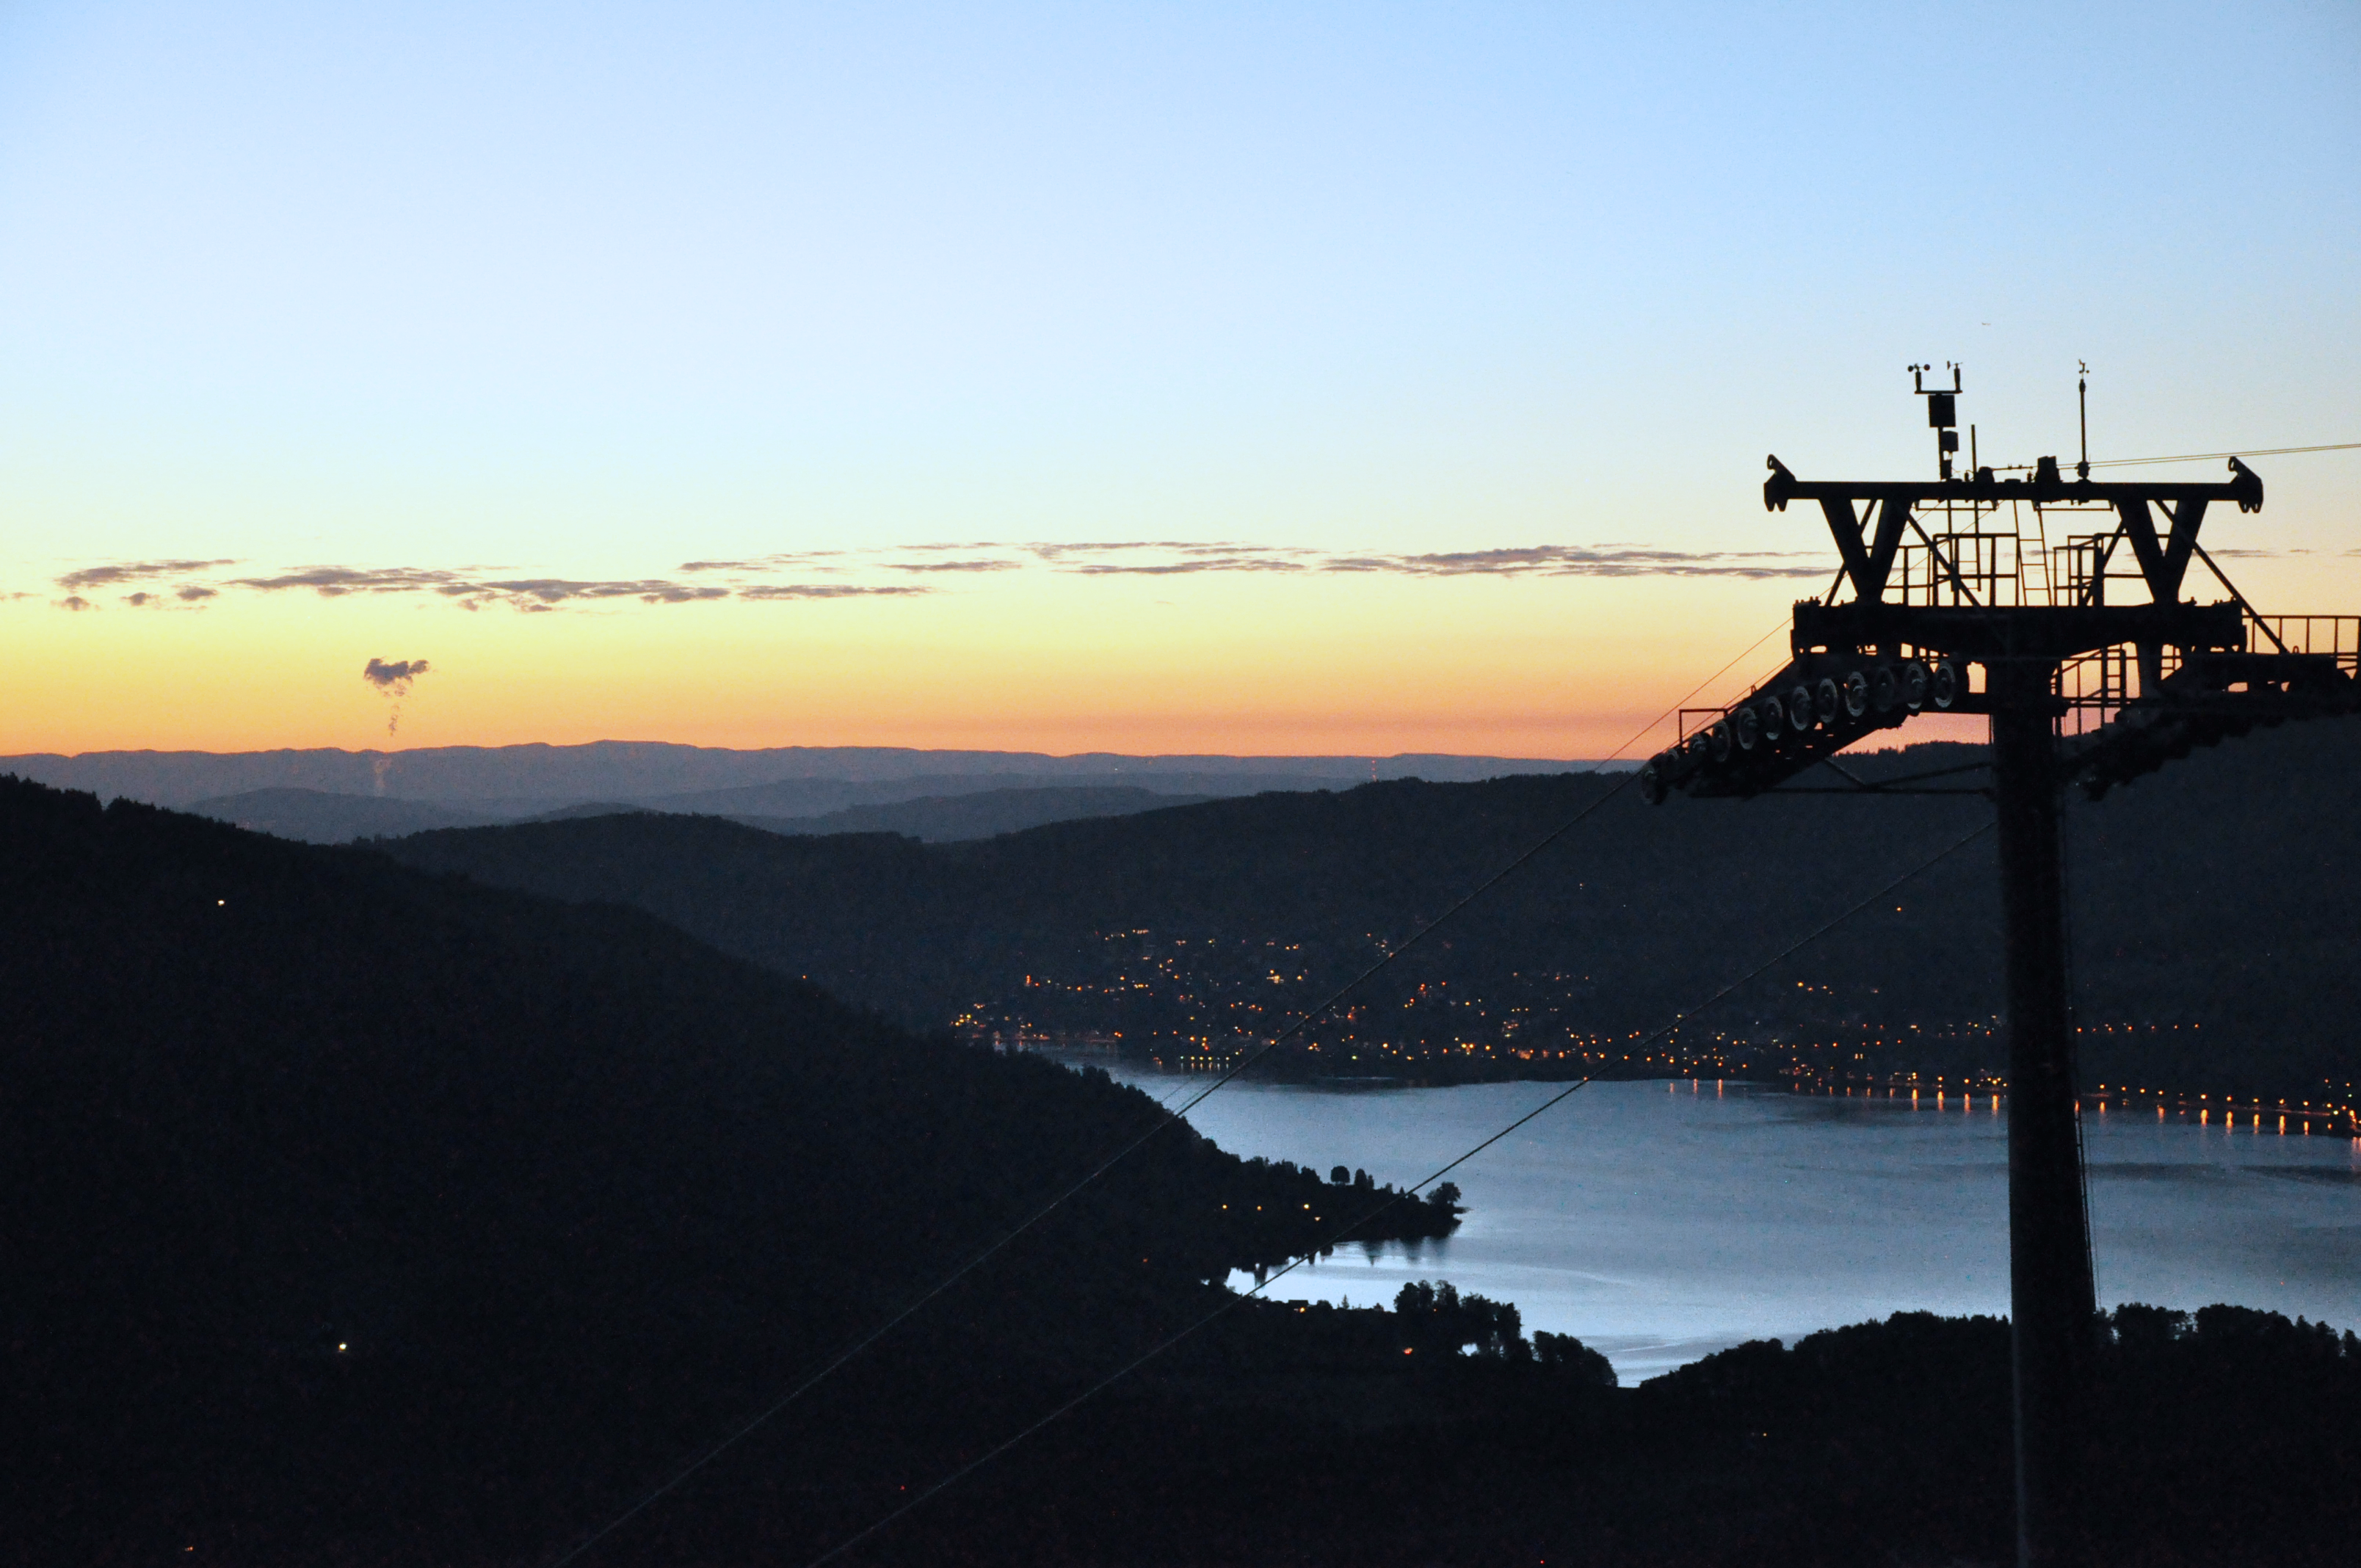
2257, 1113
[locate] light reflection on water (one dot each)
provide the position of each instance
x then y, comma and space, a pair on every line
1660, 1222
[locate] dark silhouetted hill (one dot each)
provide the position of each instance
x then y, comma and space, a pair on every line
350, 1214
2222, 1437
347, 1207
808, 800
788, 780
941, 819
319, 816
2216, 895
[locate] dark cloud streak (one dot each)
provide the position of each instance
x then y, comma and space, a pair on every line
133, 572
1181, 568
826, 591
1538, 560
522, 593
1579, 561
560, 590
474, 589
333, 582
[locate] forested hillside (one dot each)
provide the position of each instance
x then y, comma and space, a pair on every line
2215, 923
346, 1204
353, 1215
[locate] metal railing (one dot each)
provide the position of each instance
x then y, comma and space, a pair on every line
2095, 687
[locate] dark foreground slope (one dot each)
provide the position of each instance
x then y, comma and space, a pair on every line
2225, 1437
350, 1216
346, 1206
2217, 893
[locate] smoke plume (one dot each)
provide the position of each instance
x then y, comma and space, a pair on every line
394, 680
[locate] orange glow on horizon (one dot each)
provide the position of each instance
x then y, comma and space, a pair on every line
1536, 668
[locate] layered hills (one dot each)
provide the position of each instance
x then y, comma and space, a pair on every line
347, 1207
332, 797
322, 816
2215, 926
512, 781
356, 1213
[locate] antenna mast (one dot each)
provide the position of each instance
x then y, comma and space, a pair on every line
1942, 413
2082, 398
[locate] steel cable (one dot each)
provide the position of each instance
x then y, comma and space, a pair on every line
1110, 1379
1172, 1115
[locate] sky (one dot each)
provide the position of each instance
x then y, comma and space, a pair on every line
1271, 378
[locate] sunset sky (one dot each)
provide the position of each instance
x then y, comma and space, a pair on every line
1183, 378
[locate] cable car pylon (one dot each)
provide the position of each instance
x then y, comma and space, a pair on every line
2092, 669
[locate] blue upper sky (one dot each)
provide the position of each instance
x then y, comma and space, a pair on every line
600, 288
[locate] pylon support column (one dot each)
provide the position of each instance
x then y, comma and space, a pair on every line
2052, 1305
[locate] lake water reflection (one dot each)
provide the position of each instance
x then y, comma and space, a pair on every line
1660, 1222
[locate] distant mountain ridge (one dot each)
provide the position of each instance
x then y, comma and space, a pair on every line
2213, 906
951, 819
522, 781
811, 797
319, 816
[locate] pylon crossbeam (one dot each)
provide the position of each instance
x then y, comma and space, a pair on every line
1861, 666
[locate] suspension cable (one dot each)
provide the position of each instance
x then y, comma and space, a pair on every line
1112, 1378
1172, 1115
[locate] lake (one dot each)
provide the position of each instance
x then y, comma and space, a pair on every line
1660, 1222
